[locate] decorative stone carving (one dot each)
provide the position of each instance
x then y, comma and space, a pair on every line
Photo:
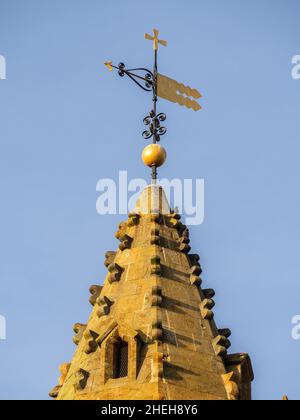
126, 242
104, 306
115, 334
231, 386
109, 258
116, 330
186, 235
195, 272
205, 308
156, 298
133, 220
175, 215
225, 331
209, 293
195, 280
184, 248
81, 378
183, 240
78, 330
183, 243
174, 222
194, 259
115, 272
55, 391
122, 230
221, 344
64, 370
181, 228
155, 265
239, 365
95, 292
91, 341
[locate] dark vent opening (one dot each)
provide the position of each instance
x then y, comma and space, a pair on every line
121, 360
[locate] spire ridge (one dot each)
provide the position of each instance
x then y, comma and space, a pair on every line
152, 332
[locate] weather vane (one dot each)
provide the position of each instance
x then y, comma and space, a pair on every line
161, 86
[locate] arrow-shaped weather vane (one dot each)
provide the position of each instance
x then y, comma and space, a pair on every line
163, 87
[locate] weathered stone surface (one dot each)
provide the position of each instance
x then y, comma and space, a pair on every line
115, 272
109, 258
133, 219
126, 242
205, 308
78, 330
149, 301
90, 341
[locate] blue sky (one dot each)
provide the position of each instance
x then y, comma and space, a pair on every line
65, 122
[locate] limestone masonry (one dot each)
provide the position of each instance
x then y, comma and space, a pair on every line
151, 333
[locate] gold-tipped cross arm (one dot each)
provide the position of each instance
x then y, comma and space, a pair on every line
163, 86
155, 39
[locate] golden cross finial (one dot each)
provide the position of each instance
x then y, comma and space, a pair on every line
155, 39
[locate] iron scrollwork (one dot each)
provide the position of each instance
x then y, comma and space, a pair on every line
155, 130
145, 82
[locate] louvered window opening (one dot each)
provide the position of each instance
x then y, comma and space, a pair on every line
121, 368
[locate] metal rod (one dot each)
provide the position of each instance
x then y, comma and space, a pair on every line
155, 90
154, 168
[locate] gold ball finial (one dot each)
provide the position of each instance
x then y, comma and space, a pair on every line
154, 155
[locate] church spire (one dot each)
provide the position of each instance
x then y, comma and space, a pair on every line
152, 334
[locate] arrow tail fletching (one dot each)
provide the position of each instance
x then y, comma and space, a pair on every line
173, 91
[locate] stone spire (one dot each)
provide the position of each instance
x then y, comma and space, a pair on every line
152, 334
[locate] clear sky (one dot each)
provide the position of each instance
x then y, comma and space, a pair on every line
65, 122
